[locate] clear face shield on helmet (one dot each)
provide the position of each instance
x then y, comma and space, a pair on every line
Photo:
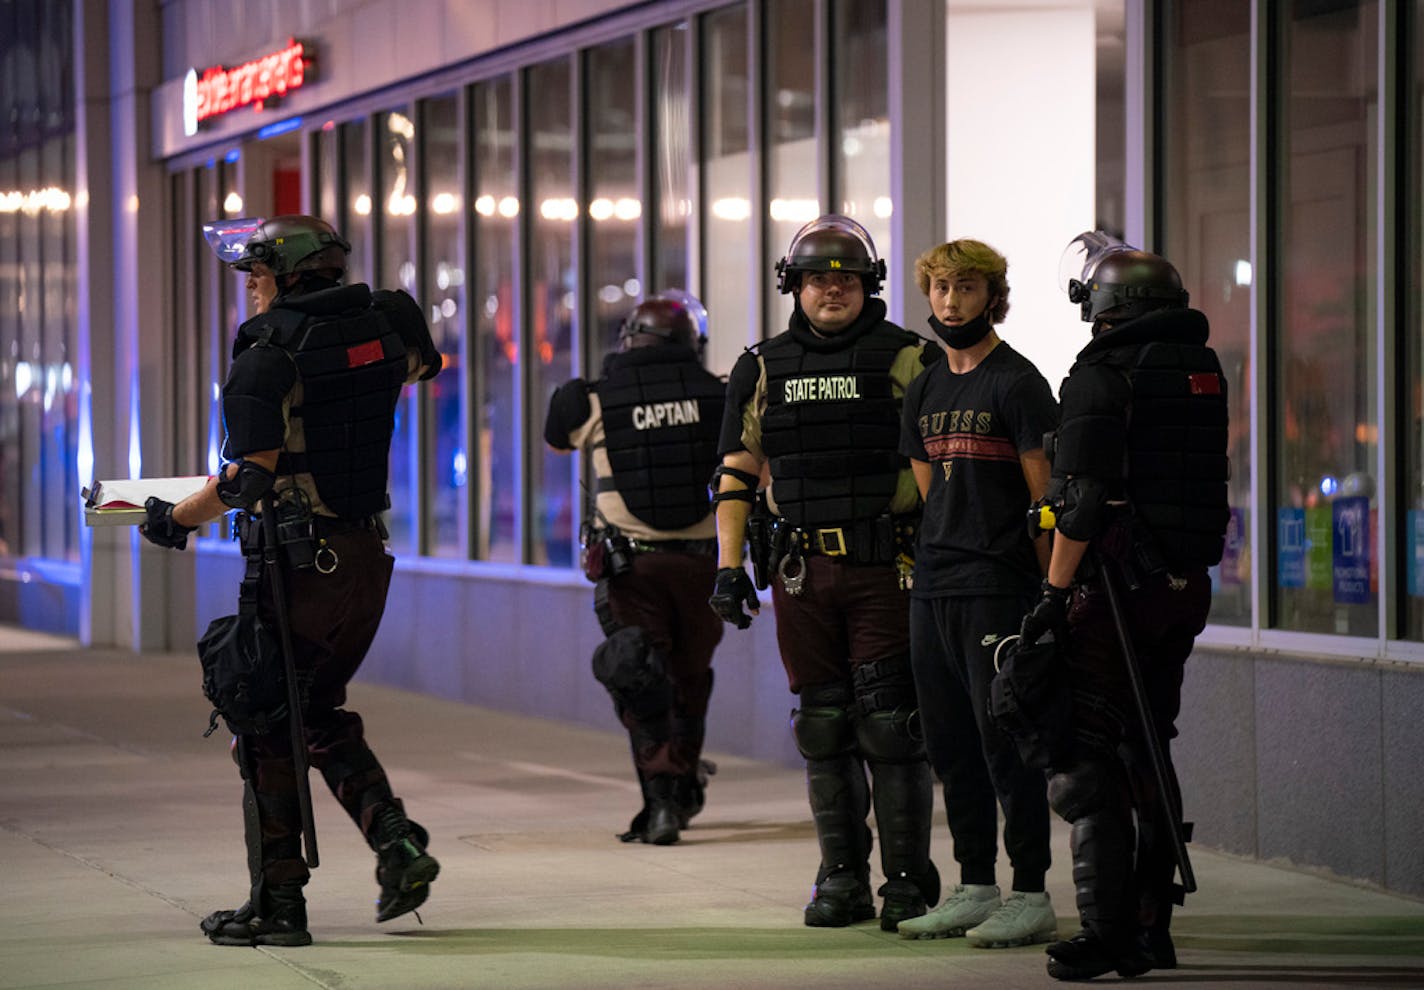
1080, 262
825, 245
690, 303
1081, 258
228, 238
841, 225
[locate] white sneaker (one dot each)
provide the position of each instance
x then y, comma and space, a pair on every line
966, 906
1023, 919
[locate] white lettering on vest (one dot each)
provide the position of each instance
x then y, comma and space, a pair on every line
655, 414
820, 388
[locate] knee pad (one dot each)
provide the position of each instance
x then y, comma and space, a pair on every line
822, 727
632, 672
1083, 789
890, 737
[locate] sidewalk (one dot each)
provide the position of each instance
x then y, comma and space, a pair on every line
120, 828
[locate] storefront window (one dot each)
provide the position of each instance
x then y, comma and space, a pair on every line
356, 213
861, 142
615, 207
496, 325
550, 323
729, 287
1326, 569
672, 156
395, 133
1411, 319
11, 466
792, 163
1207, 177
443, 294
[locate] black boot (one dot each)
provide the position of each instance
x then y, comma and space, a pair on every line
692, 791
904, 803
661, 829
403, 868
839, 805
1156, 870
282, 920
1102, 847
1085, 956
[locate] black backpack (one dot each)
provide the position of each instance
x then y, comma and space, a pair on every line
1030, 700
243, 675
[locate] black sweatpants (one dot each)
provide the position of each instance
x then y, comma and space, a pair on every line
952, 642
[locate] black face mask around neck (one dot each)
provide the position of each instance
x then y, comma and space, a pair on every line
965, 335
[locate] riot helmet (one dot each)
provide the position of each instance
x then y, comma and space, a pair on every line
1113, 280
294, 243
831, 243
657, 321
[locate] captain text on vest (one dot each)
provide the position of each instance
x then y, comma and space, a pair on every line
817, 408
308, 406
1139, 492
650, 424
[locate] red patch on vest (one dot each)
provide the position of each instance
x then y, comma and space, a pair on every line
1204, 383
367, 353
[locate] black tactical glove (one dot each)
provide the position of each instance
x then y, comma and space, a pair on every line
160, 529
1050, 615
732, 590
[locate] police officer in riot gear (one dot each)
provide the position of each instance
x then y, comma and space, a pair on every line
308, 406
818, 406
1139, 493
650, 423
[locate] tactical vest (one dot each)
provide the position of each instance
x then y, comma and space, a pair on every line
831, 429
1177, 467
660, 427
351, 364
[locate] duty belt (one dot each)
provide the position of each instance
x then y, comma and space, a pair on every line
701, 548
865, 541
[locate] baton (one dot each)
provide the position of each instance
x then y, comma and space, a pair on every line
294, 697
1148, 725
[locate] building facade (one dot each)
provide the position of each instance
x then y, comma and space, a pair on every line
529, 170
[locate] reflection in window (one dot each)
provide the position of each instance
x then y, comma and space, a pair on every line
792, 165
672, 156
1326, 570
1208, 229
11, 469
862, 117
727, 174
355, 153
615, 209
1411, 319
395, 134
495, 214
552, 284
445, 462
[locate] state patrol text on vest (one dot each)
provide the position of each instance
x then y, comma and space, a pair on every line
821, 387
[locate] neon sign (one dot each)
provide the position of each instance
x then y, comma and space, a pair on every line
220, 89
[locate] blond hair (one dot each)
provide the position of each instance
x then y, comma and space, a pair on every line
968, 257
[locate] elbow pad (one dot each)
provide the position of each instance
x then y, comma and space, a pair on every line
569, 408
1085, 509
246, 488
407, 320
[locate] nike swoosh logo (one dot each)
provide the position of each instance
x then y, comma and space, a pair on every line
990, 639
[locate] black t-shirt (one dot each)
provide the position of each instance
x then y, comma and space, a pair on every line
972, 429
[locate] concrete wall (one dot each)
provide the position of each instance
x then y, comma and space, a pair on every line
1312, 763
